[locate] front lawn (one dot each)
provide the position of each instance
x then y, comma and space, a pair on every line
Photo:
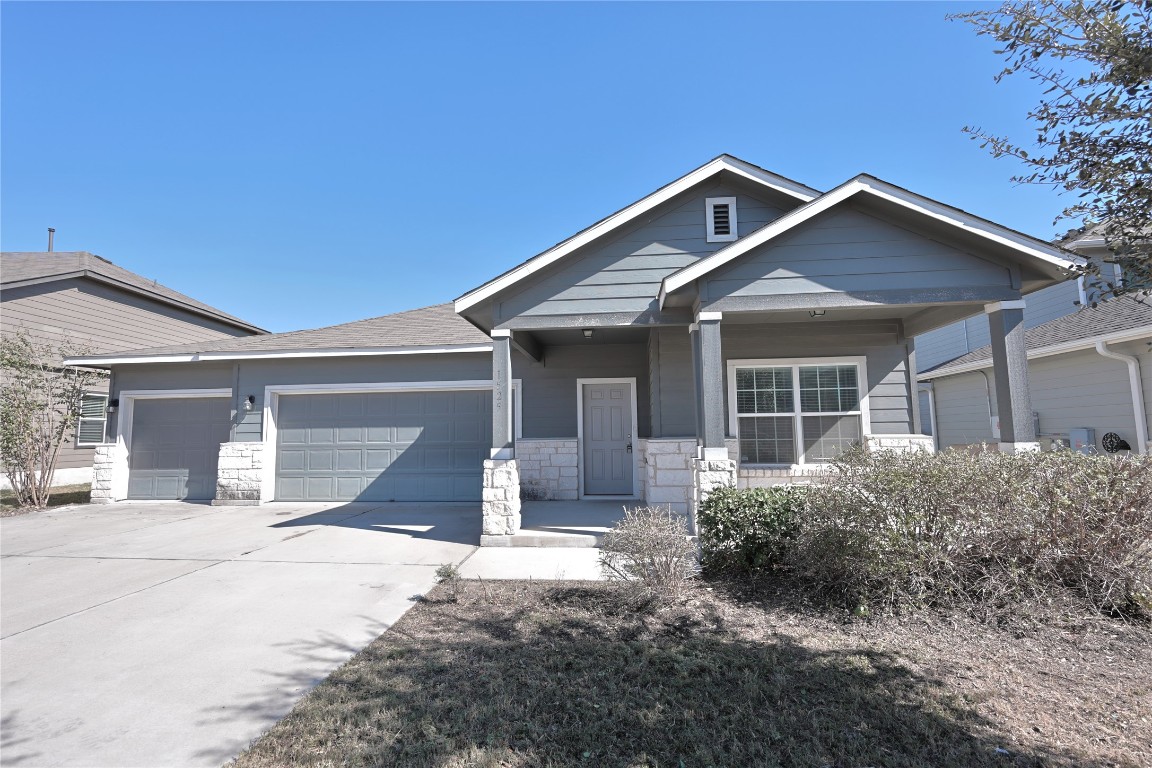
61, 496
551, 674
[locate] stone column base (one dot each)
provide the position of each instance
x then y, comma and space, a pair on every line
708, 475
1019, 447
240, 475
109, 473
501, 501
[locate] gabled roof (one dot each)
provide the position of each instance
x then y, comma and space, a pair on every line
18, 268
1115, 320
622, 217
418, 331
1044, 254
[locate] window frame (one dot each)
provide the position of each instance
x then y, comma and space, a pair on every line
710, 205
797, 414
80, 419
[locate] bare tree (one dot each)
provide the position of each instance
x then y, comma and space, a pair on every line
41, 401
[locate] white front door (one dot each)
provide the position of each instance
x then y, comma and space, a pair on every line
608, 439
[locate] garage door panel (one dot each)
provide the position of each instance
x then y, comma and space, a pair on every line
175, 447
402, 446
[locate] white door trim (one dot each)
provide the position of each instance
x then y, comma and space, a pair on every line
271, 409
580, 436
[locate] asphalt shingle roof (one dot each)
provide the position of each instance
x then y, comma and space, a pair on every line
18, 267
434, 326
1123, 314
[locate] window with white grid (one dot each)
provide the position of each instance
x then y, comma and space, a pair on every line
796, 413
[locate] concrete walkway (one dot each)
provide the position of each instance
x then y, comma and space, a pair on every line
174, 634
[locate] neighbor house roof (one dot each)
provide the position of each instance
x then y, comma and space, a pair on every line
1047, 256
1121, 319
19, 268
426, 330
630, 213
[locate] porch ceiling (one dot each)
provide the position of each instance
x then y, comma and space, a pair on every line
917, 318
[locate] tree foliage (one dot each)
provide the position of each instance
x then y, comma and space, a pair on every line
41, 399
1093, 122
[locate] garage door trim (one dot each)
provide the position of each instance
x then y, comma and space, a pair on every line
128, 398
272, 394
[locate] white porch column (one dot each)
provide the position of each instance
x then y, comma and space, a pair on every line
500, 503
1010, 364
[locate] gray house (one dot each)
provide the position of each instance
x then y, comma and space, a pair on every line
733, 326
103, 308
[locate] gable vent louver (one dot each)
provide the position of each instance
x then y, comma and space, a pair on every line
721, 219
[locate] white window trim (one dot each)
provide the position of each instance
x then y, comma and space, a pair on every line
81, 418
271, 410
580, 438
710, 206
861, 363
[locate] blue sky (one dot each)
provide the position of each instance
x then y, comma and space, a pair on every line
303, 164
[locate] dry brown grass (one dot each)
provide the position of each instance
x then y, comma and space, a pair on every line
61, 496
519, 674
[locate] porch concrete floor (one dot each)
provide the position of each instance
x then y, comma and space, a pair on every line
567, 523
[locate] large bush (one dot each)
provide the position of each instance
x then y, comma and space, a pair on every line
890, 529
748, 530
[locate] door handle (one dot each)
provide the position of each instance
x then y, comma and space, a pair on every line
629, 446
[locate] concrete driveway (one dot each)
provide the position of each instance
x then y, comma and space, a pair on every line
174, 634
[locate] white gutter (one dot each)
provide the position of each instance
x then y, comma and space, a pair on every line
1137, 392
193, 357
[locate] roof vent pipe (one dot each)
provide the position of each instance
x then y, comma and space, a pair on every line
1137, 393
51, 232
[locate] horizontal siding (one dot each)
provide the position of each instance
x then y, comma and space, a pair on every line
940, 346
623, 274
676, 402
1082, 389
549, 399
845, 250
102, 318
1050, 303
962, 410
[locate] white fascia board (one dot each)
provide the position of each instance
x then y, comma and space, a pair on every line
278, 354
1118, 337
1022, 243
630, 213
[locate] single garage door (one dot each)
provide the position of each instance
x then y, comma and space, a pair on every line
176, 445
383, 446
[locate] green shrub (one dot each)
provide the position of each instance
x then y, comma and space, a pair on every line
891, 530
748, 530
650, 552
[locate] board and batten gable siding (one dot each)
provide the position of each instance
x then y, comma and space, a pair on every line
623, 273
845, 250
889, 385
549, 400
102, 318
950, 342
252, 376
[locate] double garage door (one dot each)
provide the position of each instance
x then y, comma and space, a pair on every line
375, 446
383, 446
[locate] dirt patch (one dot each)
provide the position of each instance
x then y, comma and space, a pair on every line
61, 496
549, 674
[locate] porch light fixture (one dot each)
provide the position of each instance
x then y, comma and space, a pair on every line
816, 313
113, 405
587, 333
249, 402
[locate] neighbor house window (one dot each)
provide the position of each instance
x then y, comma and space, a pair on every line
796, 412
93, 419
721, 212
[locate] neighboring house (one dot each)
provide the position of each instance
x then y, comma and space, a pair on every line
732, 327
95, 305
1091, 369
